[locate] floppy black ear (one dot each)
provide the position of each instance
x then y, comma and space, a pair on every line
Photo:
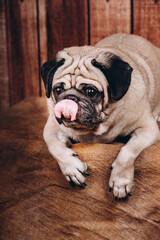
118, 74
48, 70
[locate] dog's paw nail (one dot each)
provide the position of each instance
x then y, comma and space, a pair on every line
86, 174
110, 189
71, 183
81, 186
59, 120
69, 144
130, 194
75, 155
120, 199
116, 198
111, 168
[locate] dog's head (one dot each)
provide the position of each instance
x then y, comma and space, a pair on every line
91, 78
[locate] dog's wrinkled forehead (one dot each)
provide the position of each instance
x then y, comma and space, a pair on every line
73, 67
78, 68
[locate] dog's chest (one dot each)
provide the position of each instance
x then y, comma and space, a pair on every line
107, 133
106, 137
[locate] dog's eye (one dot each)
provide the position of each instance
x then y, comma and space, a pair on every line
91, 92
58, 90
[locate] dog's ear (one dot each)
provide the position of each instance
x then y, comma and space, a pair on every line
48, 70
117, 72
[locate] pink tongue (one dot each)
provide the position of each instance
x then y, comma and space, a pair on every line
67, 108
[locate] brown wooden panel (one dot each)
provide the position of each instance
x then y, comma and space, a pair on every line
67, 24
4, 78
108, 17
22, 49
43, 36
147, 20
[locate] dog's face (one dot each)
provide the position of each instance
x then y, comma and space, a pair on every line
91, 78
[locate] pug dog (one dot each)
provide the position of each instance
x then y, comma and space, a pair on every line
97, 93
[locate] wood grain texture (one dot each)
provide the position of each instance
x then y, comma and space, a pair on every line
43, 36
67, 24
22, 49
108, 17
30, 35
37, 203
147, 20
4, 78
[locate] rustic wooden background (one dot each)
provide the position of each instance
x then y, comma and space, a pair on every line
32, 31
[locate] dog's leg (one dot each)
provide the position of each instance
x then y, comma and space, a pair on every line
122, 175
70, 165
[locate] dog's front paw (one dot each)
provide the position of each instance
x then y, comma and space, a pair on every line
121, 181
74, 169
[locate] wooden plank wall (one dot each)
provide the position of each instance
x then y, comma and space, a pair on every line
32, 31
22, 49
4, 77
108, 17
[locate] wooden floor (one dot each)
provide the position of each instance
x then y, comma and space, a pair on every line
34, 30
37, 203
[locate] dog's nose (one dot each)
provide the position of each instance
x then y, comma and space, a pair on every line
72, 97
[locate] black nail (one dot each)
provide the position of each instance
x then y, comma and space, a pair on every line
110, 189
86, 174
111, 168
72, 184
81, 186
130, 194
84, 184
116, 198
59, 120
75, 155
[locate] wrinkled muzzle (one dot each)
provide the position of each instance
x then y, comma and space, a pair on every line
75, 110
